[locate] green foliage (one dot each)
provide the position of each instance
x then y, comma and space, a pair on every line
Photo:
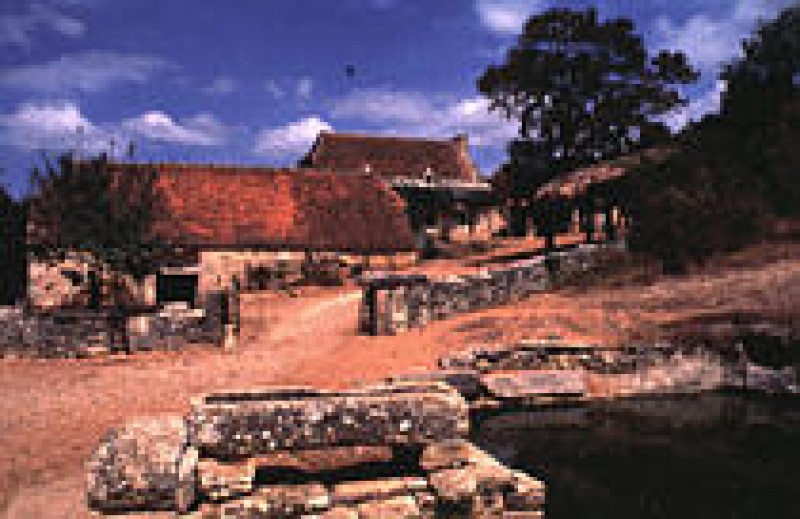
583, 90
89, 207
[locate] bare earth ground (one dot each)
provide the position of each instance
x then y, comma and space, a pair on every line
52, 413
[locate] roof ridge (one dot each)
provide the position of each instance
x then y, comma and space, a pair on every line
410, 138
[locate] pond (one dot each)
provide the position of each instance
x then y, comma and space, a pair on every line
708, 456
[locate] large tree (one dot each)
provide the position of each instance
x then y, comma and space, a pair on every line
734, 171
583, 90
106, 212
760, 110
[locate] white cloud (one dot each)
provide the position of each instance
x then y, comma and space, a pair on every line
506, 17
61, 125
305, 87
201, 130
708, 102
292, 139
221, 86
436, 116
19, 29
711, 39
88, 72
52, 126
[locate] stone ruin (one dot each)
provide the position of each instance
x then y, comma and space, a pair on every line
223, 460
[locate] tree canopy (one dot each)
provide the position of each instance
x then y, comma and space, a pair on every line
735, 171
583, 90
89, 207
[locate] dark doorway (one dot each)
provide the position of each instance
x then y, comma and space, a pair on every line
176, 287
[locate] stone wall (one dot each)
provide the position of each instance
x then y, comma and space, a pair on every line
393, 303
81, 333
544, 372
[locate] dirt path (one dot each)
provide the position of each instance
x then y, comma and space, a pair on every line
53, 412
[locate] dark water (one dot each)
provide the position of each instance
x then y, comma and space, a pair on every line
710, 456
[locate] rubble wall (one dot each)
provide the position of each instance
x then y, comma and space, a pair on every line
80, 333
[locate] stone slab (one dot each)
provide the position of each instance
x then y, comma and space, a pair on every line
219, 481
404, 507
277, 501
351, 492
525, 384
249, 423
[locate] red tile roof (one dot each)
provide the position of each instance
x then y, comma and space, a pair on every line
219, 206
393, 156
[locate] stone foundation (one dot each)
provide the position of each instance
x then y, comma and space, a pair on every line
428, 469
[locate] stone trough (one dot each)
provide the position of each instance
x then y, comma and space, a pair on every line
227, 458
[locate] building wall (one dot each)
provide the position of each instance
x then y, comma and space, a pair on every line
65, 283
218, 267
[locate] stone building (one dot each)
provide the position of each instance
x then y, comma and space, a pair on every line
236, 224
438, 180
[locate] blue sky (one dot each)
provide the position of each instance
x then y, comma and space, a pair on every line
254, 81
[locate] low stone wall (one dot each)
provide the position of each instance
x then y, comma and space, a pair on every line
165, 463
546, 372
396, 303
81, 333
54, 335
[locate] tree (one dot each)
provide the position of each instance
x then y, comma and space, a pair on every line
583, 90
107, 214
760, 109
12, 248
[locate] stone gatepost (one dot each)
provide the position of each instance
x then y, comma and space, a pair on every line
386, 300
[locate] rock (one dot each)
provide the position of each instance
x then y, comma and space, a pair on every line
340, 512
248, 423
527, 494
145, 465
454, 485
278, 501
359, 491
219, 481
467, 382
449, 454
395, 508
484, 486
526, 384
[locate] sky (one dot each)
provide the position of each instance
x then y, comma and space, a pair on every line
254, 81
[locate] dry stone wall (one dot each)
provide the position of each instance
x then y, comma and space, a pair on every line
394, 303
82, 333
543, 372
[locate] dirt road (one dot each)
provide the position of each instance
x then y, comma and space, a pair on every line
53, 412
